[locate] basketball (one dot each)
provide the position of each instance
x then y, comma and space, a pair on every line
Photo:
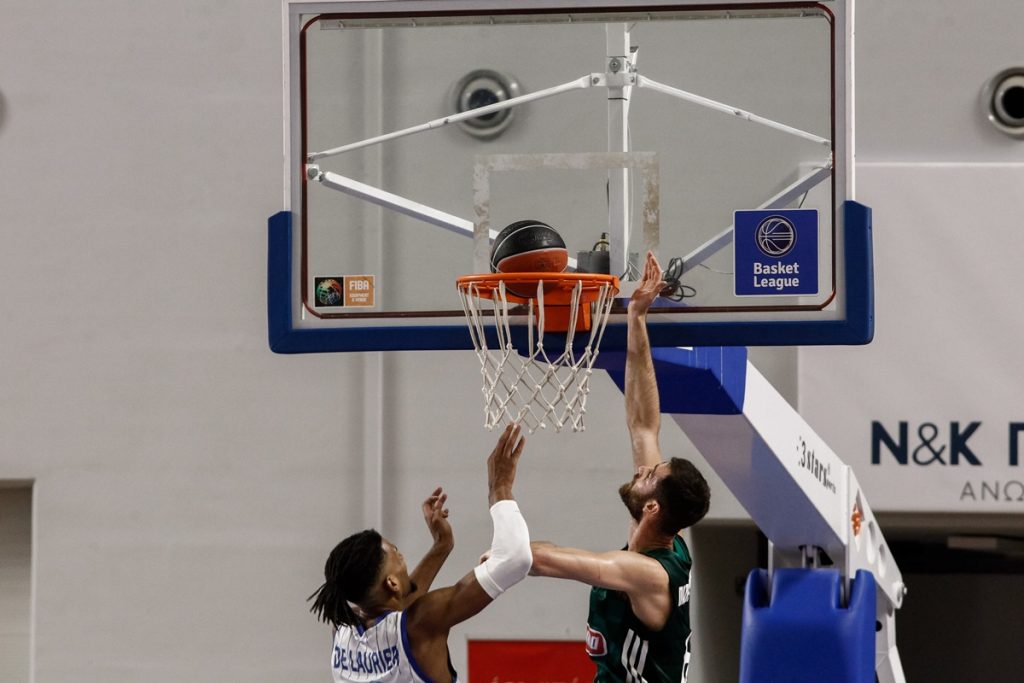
529, 247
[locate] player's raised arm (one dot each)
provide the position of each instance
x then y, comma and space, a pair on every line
643, 410
508, 560
435, 514
383, 621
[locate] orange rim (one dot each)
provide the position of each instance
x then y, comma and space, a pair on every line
558, 287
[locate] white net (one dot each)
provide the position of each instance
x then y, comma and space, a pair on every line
536, 386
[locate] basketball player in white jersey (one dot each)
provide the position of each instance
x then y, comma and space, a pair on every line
387, 627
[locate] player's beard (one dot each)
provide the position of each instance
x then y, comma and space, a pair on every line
634, 501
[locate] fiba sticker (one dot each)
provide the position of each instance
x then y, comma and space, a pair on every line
776, 252
348, 291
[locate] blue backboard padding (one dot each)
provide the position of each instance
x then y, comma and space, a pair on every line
698, 381
797, 631
856, 328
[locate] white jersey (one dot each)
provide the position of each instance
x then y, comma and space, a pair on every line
379, 654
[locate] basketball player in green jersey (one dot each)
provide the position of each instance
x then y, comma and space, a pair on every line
638, 629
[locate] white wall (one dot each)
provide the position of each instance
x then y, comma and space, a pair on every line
185, 477
945, 347
921, 67
188, 482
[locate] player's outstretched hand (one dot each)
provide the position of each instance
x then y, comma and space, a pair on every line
501, 465
435, 514
649, 288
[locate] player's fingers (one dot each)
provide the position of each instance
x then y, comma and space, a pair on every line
518, 450
650, 275
515, 436
432, 497
500, 446
503, 439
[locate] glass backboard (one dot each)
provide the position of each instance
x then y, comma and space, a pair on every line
717, 136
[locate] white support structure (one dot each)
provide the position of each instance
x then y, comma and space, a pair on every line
388, 200
578, 84
465, 227
801, 495
802, 186
650, 84
619, 79
620, 67
406, 207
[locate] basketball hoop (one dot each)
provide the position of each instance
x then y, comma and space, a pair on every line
531, 385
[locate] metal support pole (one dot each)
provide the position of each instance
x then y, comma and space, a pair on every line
618, 66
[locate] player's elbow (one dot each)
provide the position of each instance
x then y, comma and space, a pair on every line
521, 563
510, 555
516, 561
503, 570
644, 438
643, 416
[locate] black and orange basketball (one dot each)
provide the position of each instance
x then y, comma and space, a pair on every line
529, 247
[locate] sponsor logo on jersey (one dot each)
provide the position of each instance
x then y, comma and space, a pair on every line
596, 647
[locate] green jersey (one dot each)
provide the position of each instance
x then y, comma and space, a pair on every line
626, 651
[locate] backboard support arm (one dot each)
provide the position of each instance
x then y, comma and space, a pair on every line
794, 487
788, 195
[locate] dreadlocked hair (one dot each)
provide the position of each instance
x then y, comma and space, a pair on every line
349, 574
